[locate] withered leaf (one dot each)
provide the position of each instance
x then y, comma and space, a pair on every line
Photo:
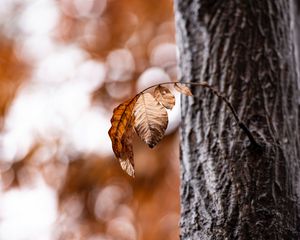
120, 134
183, 89
126, 157
164, 96
151, 119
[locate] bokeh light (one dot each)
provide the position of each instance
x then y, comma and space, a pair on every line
64, 66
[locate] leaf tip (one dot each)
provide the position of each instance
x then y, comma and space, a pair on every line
151, 145
127, 166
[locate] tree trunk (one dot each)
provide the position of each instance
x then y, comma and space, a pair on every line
231, 189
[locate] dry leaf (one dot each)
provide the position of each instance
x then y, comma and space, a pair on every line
147, 115
183, 89
164, 96
126, 157
151, 119
120, 134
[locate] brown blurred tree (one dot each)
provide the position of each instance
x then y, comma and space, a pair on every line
229, 189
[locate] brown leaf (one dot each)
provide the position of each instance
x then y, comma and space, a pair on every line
183, 89
120, 134
164, 96
126, 158
151, 119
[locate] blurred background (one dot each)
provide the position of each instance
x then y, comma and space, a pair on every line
64, 66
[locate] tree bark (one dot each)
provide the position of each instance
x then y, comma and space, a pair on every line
229, 188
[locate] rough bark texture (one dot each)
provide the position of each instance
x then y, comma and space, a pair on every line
231, 190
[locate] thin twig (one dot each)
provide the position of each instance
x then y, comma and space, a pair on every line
220, 95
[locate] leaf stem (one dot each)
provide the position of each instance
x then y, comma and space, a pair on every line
220, 95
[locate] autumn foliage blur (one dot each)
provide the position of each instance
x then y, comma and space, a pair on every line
64, 66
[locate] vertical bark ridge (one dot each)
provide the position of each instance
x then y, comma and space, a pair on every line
247, 50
